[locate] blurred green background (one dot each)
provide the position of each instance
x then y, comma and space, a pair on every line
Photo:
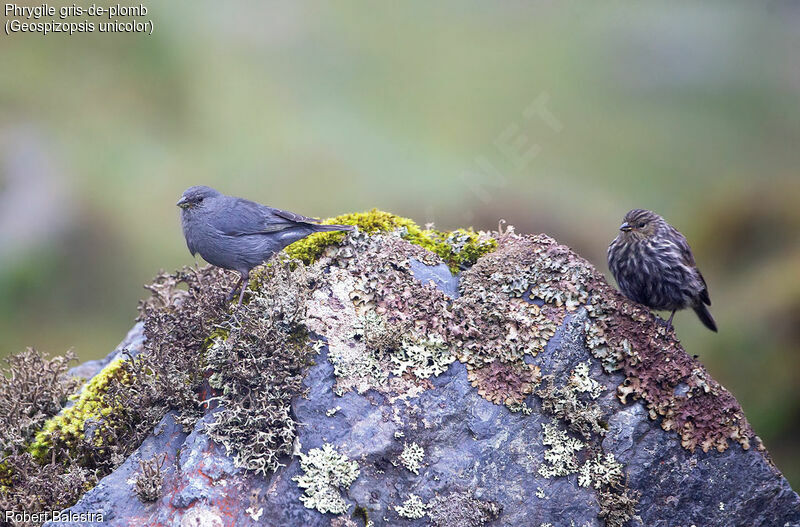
555, 116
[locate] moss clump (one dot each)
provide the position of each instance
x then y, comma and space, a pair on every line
459, 249
325, 471
66, 430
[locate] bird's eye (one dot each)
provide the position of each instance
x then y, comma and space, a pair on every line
640, 225
199, 199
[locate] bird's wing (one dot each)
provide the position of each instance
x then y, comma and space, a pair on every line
683, 246
688, 259
293, 216
242, 217
704, 293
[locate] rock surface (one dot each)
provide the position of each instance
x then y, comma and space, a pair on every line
435, 450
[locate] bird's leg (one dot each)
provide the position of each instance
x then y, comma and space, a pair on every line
235, 287
244, 288
669, 322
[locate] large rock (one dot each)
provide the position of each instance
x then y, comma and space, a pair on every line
523, 391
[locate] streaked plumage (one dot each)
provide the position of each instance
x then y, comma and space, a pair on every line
239, 234
653, 265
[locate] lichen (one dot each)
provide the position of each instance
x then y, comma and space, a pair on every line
559, 457
504, 383
325, 472
625, 336
412, 456
259, 369
412, 508
495, 317
33, 388
600, 470
581, 381
149, 480
462, 509
617, 506
119, 407
565, 403
422, 357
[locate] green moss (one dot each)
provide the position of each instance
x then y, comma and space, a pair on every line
68, 427
459, 249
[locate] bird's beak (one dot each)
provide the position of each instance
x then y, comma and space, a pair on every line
183, 203
625, 227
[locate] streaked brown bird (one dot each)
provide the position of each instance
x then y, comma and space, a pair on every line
653, 265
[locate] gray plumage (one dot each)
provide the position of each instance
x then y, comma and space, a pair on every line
239, 234
653, 265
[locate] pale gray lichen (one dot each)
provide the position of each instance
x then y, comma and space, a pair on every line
565, 403
413, 508
325, 471
600, 470
583, 382
422, 357
560, 459
412, 456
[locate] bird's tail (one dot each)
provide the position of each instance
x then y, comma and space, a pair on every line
705, 317
328, 228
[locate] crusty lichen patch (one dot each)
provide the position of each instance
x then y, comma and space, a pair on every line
412, 456
600, 470
625, 336
560, 453
325, 472
412, 508
505, 383
579, 414
423, 358
462, 509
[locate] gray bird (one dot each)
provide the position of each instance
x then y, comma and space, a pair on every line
238, 234
653, 265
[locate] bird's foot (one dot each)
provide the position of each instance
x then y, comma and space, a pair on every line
666, 324
232, 294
